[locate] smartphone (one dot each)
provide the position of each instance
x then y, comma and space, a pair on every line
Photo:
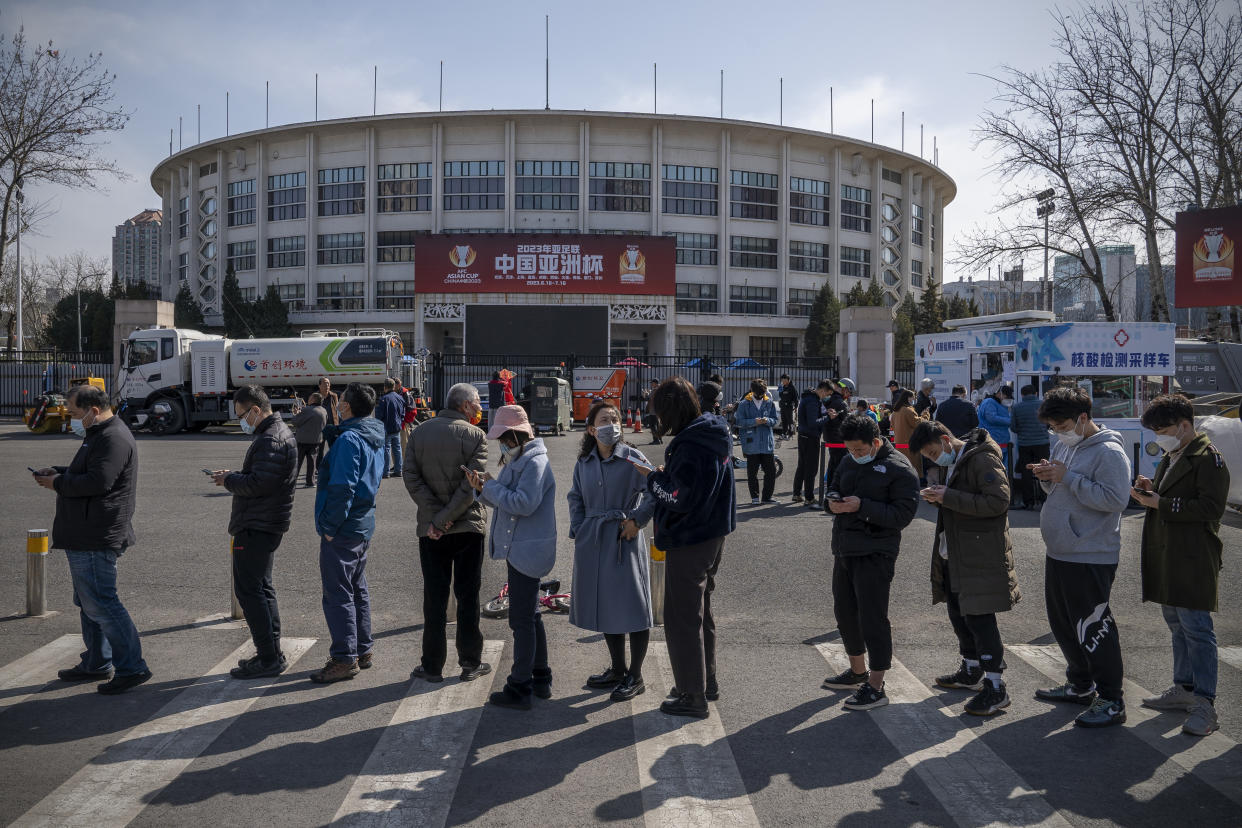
835, 497
32, 471
634, 461
463, 468
209, 472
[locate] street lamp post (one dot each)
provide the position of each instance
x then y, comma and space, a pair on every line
1046, 208
20, 298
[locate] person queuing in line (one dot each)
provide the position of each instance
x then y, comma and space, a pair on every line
836, 409
958, 415
863, 407
523, 501
787, 396
972, 568
410, 397
925, 405
893, 388
710, 392
756, 420
1181, 555
450, 526
872, 497
995, 417
308, 425
649, 417
262, 511
811, 421
330, 401
349, 480
904, 419
1087, 483
694, 511
1032, 438
95, 499
499, 393
608, 508
390, 410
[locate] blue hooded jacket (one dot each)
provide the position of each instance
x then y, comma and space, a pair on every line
694, 494
349, 479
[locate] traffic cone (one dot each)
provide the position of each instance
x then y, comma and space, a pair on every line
638, 424
629, 418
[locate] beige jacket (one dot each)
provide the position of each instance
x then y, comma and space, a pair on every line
434, 455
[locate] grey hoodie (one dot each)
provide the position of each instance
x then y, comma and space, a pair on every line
1081, 520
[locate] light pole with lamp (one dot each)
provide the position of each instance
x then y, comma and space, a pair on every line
17, 183
1046, 208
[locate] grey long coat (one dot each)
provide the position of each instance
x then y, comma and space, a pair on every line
611, 585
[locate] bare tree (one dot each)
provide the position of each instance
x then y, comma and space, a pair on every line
53, 111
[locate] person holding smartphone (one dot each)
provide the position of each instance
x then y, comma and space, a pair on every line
756, 421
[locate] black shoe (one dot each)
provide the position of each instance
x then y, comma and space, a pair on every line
846, 680
122, 683
78, 674
686, 704
510, 698
420, 673
866, 698
966, 678
542, 682
712, 692
609, 678
629, 687
989, 701
472, 673
258, 668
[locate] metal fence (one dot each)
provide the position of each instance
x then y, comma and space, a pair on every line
903, 372
40, 372
445, 370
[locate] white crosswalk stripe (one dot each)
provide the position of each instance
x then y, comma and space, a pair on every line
698, 783
411, 776
114, 788
36, 669
1231, 656
971, 782
1212, 759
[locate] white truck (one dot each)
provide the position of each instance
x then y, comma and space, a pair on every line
173, 379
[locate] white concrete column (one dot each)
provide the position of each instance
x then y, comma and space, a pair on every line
722, 209
510, 158
171, 247
260, 218
370, 249
437, 183
221, 209
584, 175
834, 220
907, 230
657, 180
877, 204
312, 215
782, 221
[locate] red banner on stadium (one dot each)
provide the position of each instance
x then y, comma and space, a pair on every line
1209, 264
632, 265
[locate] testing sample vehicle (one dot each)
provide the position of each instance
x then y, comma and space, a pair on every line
1121, 365
173, 378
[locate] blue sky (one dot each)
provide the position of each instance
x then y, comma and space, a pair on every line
921, 57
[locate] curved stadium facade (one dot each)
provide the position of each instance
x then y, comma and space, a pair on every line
758, 217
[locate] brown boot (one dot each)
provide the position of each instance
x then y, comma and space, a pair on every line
364, 661
335, 671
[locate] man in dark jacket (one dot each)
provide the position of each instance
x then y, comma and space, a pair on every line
349, 480
873, 496
811, 419
262, 506
788, 399
649, 417
925, 401
308, 425
1033, 443
972, 558
390, 410
959, 415
837, 409
95, 496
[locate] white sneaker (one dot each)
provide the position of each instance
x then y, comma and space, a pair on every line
754, 501
1202, 719
1175, 698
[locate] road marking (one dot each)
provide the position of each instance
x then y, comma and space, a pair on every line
698, 783
36, 669
1212, 759
971, 782
411, 776
1231, 656
114, 788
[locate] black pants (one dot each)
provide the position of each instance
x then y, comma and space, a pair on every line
835, 456
1029, 454
754, 462
456, 560
308, 452
787, 415
807, 473
649, 421
689, 628
1076, 595
530, 642
978, 636
860, 586
253, 553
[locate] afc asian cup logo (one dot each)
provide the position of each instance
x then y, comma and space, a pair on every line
250, 365
633, 265
1213, 256
462, 255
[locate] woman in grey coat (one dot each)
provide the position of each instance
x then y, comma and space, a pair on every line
608, 506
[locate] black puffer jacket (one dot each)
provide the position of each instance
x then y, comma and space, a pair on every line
96, 492
889, 491
832, 425
263, 489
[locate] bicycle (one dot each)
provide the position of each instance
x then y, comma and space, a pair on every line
550, 598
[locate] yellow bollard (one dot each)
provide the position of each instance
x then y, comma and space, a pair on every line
657, 585
236, 613
36, 572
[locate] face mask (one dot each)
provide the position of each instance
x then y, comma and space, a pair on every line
608, 435
1069, 439
946, 457
511, 453
477, 418
78, 428
1007, 403
862, 461
341, 414
1168, 442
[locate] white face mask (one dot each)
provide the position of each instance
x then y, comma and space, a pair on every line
1007, 403
78, 428
1170, 442
1069, 439
510, 452
608, 435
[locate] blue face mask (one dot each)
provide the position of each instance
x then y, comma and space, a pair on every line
946, 458
244, 422
78, 428
862, 461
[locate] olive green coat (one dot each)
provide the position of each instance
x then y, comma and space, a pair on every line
1181, 538
974, 518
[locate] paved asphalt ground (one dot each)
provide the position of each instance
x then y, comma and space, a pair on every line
192, 748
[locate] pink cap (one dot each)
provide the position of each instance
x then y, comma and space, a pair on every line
509, 418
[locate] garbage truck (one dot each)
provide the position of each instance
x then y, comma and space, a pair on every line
175, 379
